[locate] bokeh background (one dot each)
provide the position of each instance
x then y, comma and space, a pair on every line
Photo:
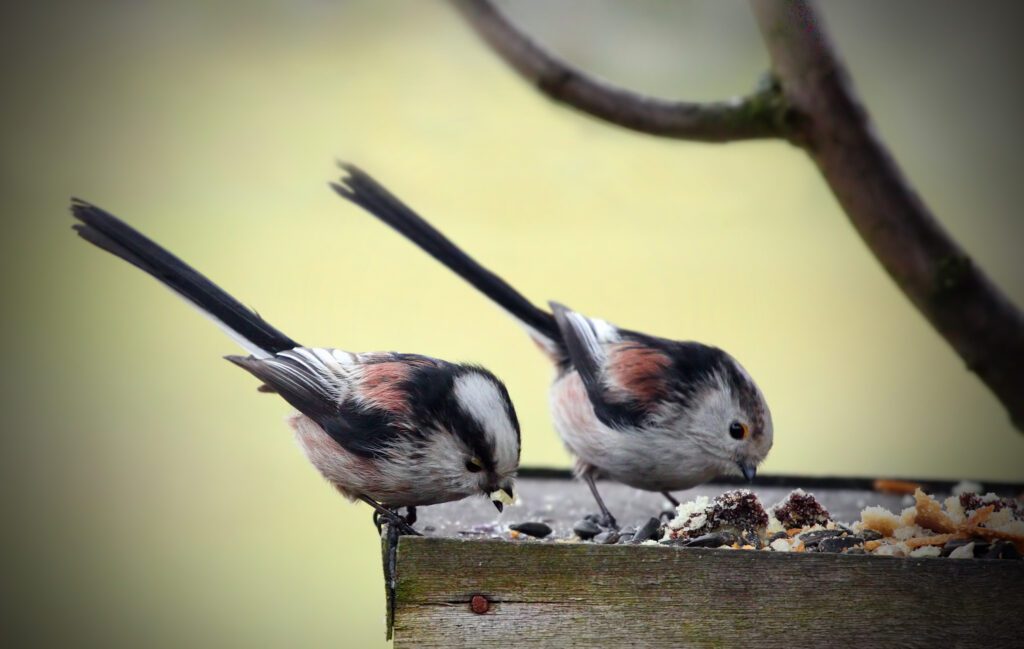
153, 498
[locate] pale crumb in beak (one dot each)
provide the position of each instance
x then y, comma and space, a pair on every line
501, 497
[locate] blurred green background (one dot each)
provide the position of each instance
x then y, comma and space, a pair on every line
152, 497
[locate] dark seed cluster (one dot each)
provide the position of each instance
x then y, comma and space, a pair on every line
800, 510
740, 510
972, 502
735, 515
736, 520
532, 528
837, 540
591, 529
983, 549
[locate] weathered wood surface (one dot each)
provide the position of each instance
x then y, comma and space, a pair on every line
586, 595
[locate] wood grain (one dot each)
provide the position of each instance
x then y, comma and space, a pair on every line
571, 594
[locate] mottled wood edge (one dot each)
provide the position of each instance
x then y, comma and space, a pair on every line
436, 579
389, 554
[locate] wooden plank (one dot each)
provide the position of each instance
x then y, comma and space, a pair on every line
562, 594
389, 555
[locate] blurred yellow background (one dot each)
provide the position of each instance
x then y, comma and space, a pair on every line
154, 498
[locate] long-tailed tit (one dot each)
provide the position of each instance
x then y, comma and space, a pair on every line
393, 430
651, 413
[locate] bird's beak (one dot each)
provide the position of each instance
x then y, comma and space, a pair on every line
500, 498
748, 469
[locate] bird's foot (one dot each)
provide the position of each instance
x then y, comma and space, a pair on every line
383, 514
395, 521
604, 520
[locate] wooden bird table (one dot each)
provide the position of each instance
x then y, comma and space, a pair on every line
468, 583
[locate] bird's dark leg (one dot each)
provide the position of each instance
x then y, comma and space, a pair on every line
609, 520
669, 497
410, 515
390, 517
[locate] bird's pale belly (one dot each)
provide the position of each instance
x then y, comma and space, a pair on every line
634, 458
353, 475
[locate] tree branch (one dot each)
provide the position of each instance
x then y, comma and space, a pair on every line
755, 116
812, 103
938, 277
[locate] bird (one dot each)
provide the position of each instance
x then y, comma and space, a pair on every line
652, 413
389, 429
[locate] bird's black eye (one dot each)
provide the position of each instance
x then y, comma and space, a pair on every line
474, 466
737, 430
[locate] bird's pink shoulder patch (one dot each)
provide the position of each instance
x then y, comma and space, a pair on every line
381, 385
638, 371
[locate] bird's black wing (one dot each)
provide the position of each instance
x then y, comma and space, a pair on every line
319, 383
586, 350
623, 377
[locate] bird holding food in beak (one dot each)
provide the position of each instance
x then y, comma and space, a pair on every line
392, 430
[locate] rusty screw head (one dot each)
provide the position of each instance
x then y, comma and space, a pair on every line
479, 604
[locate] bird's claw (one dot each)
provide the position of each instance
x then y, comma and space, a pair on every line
604, 520
395, 521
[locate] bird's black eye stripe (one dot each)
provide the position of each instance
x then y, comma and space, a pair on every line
737, 430
473, 466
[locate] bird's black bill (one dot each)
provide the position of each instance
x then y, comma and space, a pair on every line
748, 470
502, 496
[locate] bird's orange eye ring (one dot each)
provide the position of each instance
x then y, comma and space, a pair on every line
738, 430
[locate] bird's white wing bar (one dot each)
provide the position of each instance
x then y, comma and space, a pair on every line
585, 338
309, 379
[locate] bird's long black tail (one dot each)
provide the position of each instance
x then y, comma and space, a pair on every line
358, 187
106, 231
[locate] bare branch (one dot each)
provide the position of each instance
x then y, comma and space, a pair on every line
743, 118
941, 280
812, 103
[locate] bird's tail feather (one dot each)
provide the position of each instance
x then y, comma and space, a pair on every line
360, 188
244, 325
